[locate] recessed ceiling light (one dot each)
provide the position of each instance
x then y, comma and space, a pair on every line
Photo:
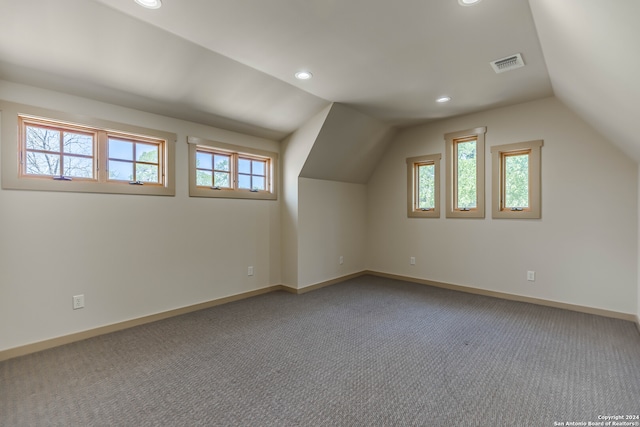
150, 4
443, 99
303, 75
468, 2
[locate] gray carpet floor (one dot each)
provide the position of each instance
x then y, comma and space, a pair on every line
366, 352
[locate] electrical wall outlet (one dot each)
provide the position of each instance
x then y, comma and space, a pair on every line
78, 301
412, 260
531, 276
341, 260
250, 271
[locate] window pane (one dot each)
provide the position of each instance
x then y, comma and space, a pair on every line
122, 171
119, 149
204, 160
258, 167
42, 139
79, 167
146, 153
43, 164
204, 178
244, 181
516, 181
426, 187
147, 173
244, 166
222, 180
258, 183
221, 162
77, 143
466, 179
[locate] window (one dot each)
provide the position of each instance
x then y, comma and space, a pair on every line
465, 173
134, 160
423, 186
58, 153
229, 171
516, 180
252, 173
213, 169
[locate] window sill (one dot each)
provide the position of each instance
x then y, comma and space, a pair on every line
231, 194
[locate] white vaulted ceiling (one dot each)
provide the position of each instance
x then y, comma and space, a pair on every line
231, 63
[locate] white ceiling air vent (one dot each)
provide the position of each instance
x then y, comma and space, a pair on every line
507, 63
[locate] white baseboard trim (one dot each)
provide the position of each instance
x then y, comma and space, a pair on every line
513, 297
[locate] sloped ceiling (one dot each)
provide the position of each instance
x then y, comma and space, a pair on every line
348, 146
87, 49
591, 48
388, 59
230, 63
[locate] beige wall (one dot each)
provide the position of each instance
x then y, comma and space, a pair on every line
584, 249
137, 255
332, 224
321, 219
295, 150
129, 255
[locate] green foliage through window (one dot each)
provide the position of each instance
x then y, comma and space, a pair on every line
221, 170
213, 169
54, 154
466, 174
426, 186
133, 161
516, 180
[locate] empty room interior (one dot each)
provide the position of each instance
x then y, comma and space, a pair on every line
313, 207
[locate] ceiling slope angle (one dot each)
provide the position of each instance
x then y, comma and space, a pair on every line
348, 147
231, 64
135, 64
590, 47
389, 60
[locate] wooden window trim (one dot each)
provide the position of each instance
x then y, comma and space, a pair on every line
229, 172
134, 140
213, 152
267, 168
503, 174
14, 178
236, 152
25, 121
412, 188
498, 154
451, 139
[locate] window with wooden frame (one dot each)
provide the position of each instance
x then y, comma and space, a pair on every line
61, 152
55, 150
135, 160
213, 169
516, 180
465, 173
229, 171
423, 186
